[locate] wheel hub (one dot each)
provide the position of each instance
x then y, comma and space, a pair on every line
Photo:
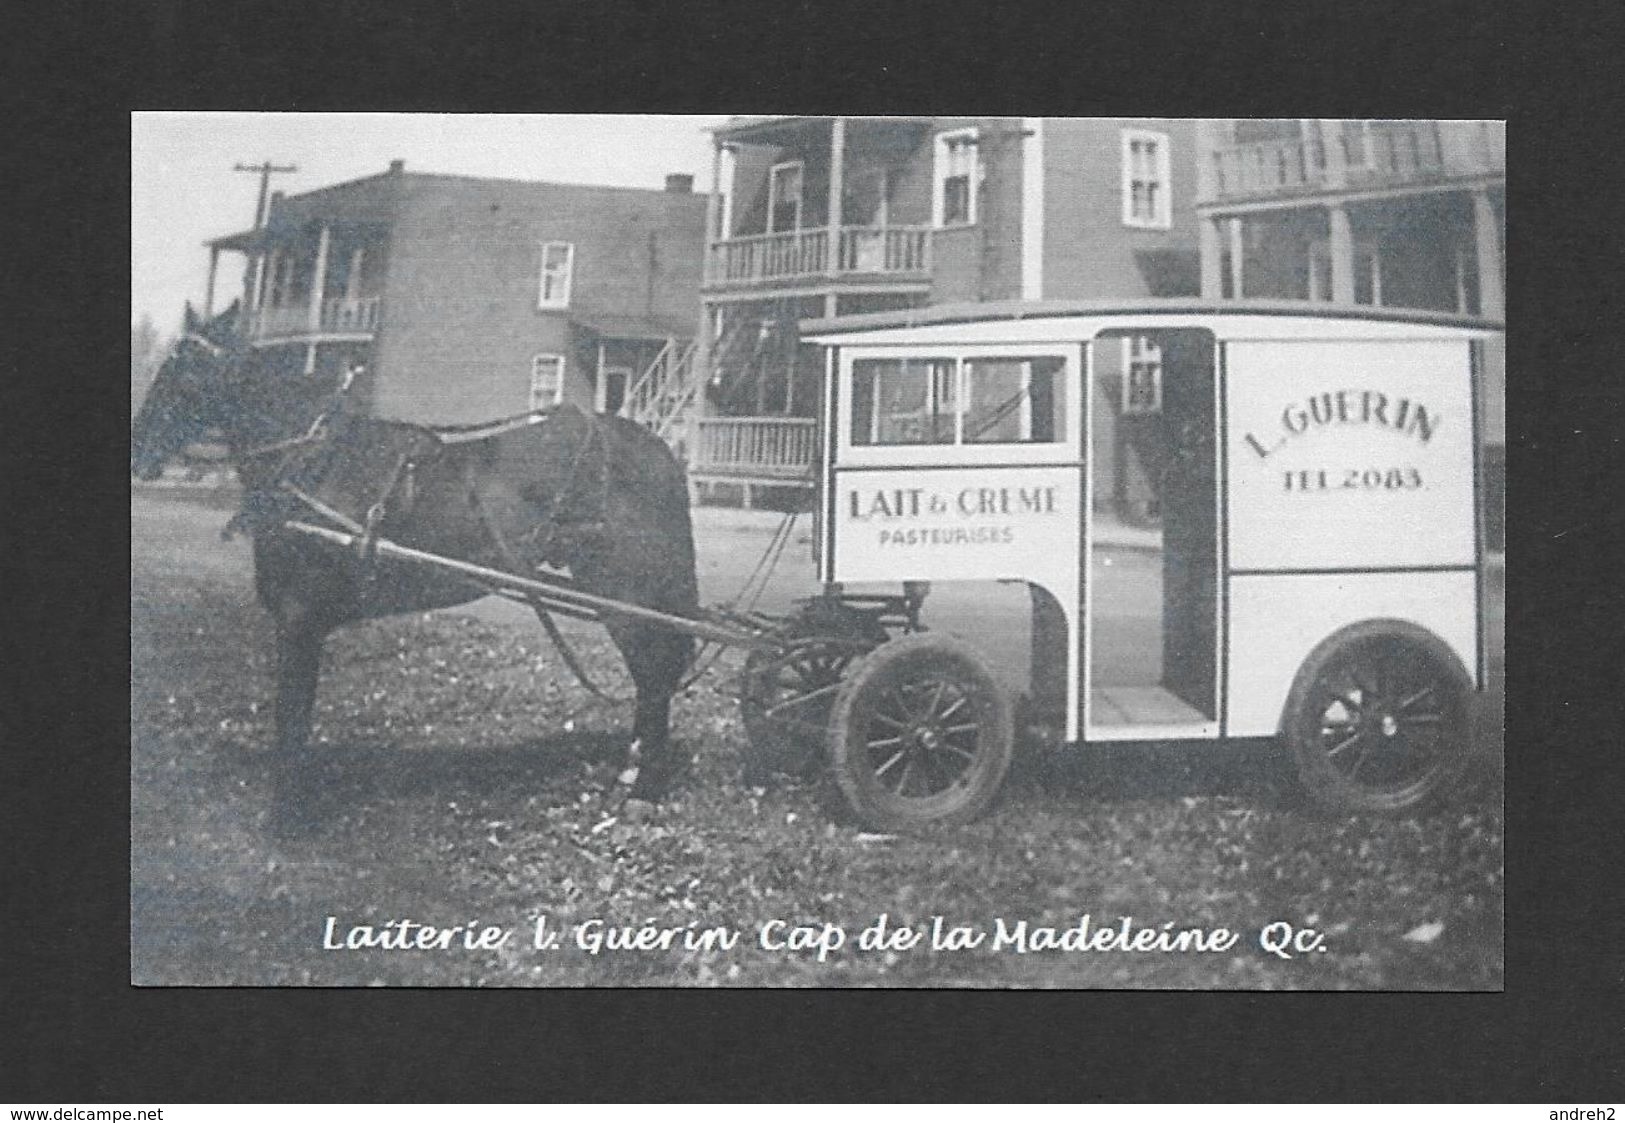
1389, 725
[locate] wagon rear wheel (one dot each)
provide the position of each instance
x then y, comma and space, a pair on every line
1377, 720
921, 733
787, 694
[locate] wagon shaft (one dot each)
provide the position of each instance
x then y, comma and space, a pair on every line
563, 597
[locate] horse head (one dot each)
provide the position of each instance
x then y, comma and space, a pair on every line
190, 395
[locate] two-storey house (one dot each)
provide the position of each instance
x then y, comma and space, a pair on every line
820, 216
1409, 214
468, 299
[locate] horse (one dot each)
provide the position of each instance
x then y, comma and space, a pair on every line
595, 495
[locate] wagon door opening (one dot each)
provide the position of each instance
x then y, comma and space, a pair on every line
1151, 584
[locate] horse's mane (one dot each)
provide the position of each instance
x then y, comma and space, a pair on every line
274, 403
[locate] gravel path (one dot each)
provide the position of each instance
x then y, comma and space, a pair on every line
465, 778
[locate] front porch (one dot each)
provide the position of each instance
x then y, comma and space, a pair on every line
802, 202
1311, 156
348, 317
753, 452
889, 253
312, 282
1437, 250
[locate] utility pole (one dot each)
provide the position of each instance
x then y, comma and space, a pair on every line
266, 170
254, 275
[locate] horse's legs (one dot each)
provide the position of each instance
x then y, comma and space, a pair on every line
657, 658
298, 661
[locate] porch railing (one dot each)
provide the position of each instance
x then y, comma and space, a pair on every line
773, 448
862, 250
272, 322
884, 249
340, 315
755, 257
343, 314
1385, 153
1264, 168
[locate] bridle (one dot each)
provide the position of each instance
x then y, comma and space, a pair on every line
203, 341
318, 426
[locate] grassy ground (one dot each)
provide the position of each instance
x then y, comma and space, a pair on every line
465, 777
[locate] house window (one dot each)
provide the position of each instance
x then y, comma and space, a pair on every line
1142, 375
352, 278
726, 170
558, 262
1147, 181
282, 279
958, 174
1367, 273
546, 381
864, 199
784, 197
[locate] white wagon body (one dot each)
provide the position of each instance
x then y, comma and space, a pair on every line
1311, 472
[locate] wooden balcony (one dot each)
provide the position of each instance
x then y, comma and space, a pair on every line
766, 450
1385, 154
344, 315
340, 316
895, 252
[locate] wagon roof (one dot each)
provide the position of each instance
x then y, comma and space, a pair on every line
1228, 318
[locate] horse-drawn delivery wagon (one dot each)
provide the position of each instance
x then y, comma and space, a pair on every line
1303, 483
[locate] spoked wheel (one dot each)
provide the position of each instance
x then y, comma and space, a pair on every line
788, 693
1378, 719
921, 733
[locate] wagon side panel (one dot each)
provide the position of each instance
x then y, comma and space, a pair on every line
1276, 621
1350, 494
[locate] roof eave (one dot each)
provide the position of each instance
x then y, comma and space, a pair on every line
941, 314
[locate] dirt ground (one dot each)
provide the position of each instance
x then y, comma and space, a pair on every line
465, 776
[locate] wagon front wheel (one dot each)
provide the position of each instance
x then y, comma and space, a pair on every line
921, 733
1377, 720
789, 692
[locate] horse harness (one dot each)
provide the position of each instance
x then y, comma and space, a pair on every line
510, 559
399, 489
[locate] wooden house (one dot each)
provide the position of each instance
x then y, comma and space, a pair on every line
1404, 214
822, 216
467, 299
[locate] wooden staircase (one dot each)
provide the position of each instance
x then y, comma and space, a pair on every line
745, 452
744, 355
660, 398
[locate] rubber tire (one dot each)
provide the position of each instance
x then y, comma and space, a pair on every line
771, 749
887, 666
1302, 716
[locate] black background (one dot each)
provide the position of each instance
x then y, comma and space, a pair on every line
77, 1031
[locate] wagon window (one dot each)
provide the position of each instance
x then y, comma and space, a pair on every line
904, 401
1013, 400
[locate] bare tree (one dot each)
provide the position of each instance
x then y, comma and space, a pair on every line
146, 355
